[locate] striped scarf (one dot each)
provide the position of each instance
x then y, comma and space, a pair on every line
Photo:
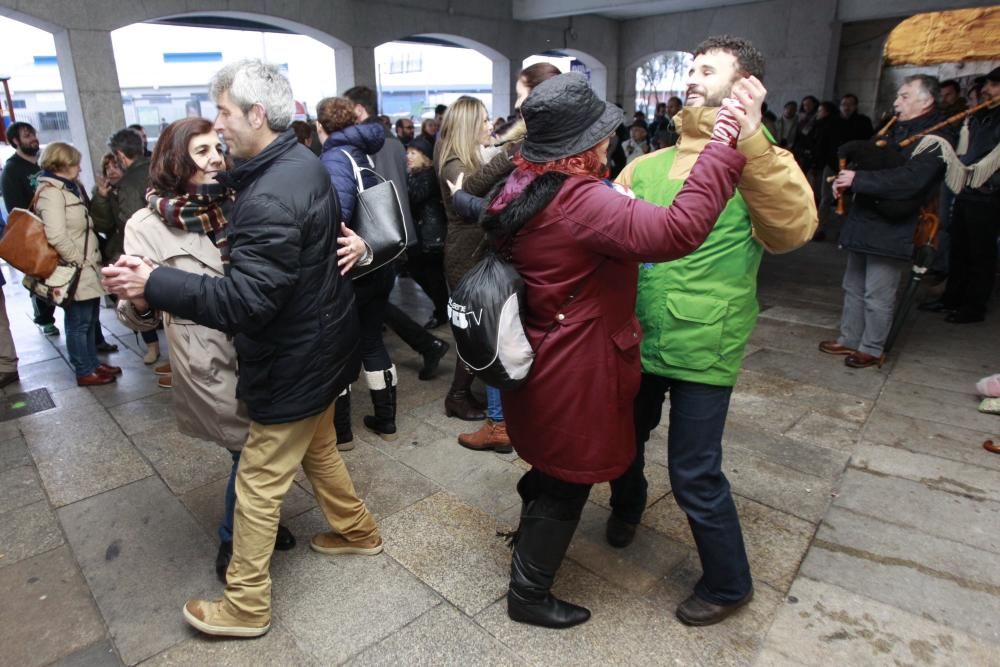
198, 212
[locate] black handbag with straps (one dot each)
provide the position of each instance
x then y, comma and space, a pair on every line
378, 219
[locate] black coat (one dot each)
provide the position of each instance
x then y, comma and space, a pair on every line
867, 229
296, 330
984, 135
428, 209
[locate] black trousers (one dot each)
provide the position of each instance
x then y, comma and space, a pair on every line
413, 334
371, 296
427, 270
45, 312
973, 258
566, 499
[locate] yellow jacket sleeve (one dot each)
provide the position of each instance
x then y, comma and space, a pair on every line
778, 196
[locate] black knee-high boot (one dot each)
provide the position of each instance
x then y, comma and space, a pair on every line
342, 422
546, 529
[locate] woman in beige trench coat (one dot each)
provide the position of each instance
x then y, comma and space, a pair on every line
61, 203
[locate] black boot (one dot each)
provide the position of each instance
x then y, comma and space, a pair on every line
383, 390
459, 402
342, 422
547, 527
432, 357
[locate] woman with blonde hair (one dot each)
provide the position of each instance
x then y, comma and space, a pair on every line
464, 132
493, 433
62, 204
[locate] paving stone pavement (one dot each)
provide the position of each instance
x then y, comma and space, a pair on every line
870, 510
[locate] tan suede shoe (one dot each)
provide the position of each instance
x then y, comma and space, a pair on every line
212, 618
491, 436
334, 545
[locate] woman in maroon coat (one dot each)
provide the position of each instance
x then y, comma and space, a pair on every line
577, 242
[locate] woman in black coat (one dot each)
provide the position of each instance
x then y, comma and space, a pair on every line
346, 148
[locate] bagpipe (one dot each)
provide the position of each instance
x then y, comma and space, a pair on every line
876, 154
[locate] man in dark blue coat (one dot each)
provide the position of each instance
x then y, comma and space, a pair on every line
878, 232
975, 222
291, 313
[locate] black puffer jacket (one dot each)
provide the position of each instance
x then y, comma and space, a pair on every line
283, 297
428, 209
868, 231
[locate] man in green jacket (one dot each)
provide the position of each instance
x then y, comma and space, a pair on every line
697, 314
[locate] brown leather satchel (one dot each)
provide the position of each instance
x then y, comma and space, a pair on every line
24, 244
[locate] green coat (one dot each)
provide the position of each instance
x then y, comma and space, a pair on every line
698, 312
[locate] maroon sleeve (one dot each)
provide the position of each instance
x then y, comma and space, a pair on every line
612, 224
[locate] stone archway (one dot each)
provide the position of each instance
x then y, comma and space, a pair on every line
632, 80
598, 71
502, 94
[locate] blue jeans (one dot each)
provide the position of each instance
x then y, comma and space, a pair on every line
494, 408
694, 457
226, 529
81, 335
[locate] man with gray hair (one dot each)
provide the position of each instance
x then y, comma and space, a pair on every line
285, 300
878, 231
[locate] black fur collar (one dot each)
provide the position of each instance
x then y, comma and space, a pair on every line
502, 225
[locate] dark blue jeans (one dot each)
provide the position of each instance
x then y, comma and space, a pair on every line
81, 330
694, 457
226, 529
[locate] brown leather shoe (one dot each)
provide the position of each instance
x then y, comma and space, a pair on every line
695, 611
861, 360
105, 369
991, 446
162, 369
94, 379
165, 381
461, 404
833, 347
492, 436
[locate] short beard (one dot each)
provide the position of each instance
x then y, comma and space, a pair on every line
30, 151
712, 100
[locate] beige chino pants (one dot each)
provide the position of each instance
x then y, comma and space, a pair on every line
8, 355
270, 458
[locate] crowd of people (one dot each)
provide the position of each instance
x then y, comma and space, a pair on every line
639, 247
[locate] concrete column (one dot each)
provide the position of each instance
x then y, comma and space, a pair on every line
355, 67
626, 90
504, 78
93, 94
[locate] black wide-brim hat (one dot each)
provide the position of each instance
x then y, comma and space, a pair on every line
565, 117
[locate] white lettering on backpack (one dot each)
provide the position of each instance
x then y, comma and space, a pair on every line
459, 316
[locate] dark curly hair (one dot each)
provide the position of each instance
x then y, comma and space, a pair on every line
335, 113
749, 61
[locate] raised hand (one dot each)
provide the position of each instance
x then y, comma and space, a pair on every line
727, 126
750, 93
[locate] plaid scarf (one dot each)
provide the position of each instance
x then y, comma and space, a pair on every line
198, 211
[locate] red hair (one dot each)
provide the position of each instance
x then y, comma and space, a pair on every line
587, 163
